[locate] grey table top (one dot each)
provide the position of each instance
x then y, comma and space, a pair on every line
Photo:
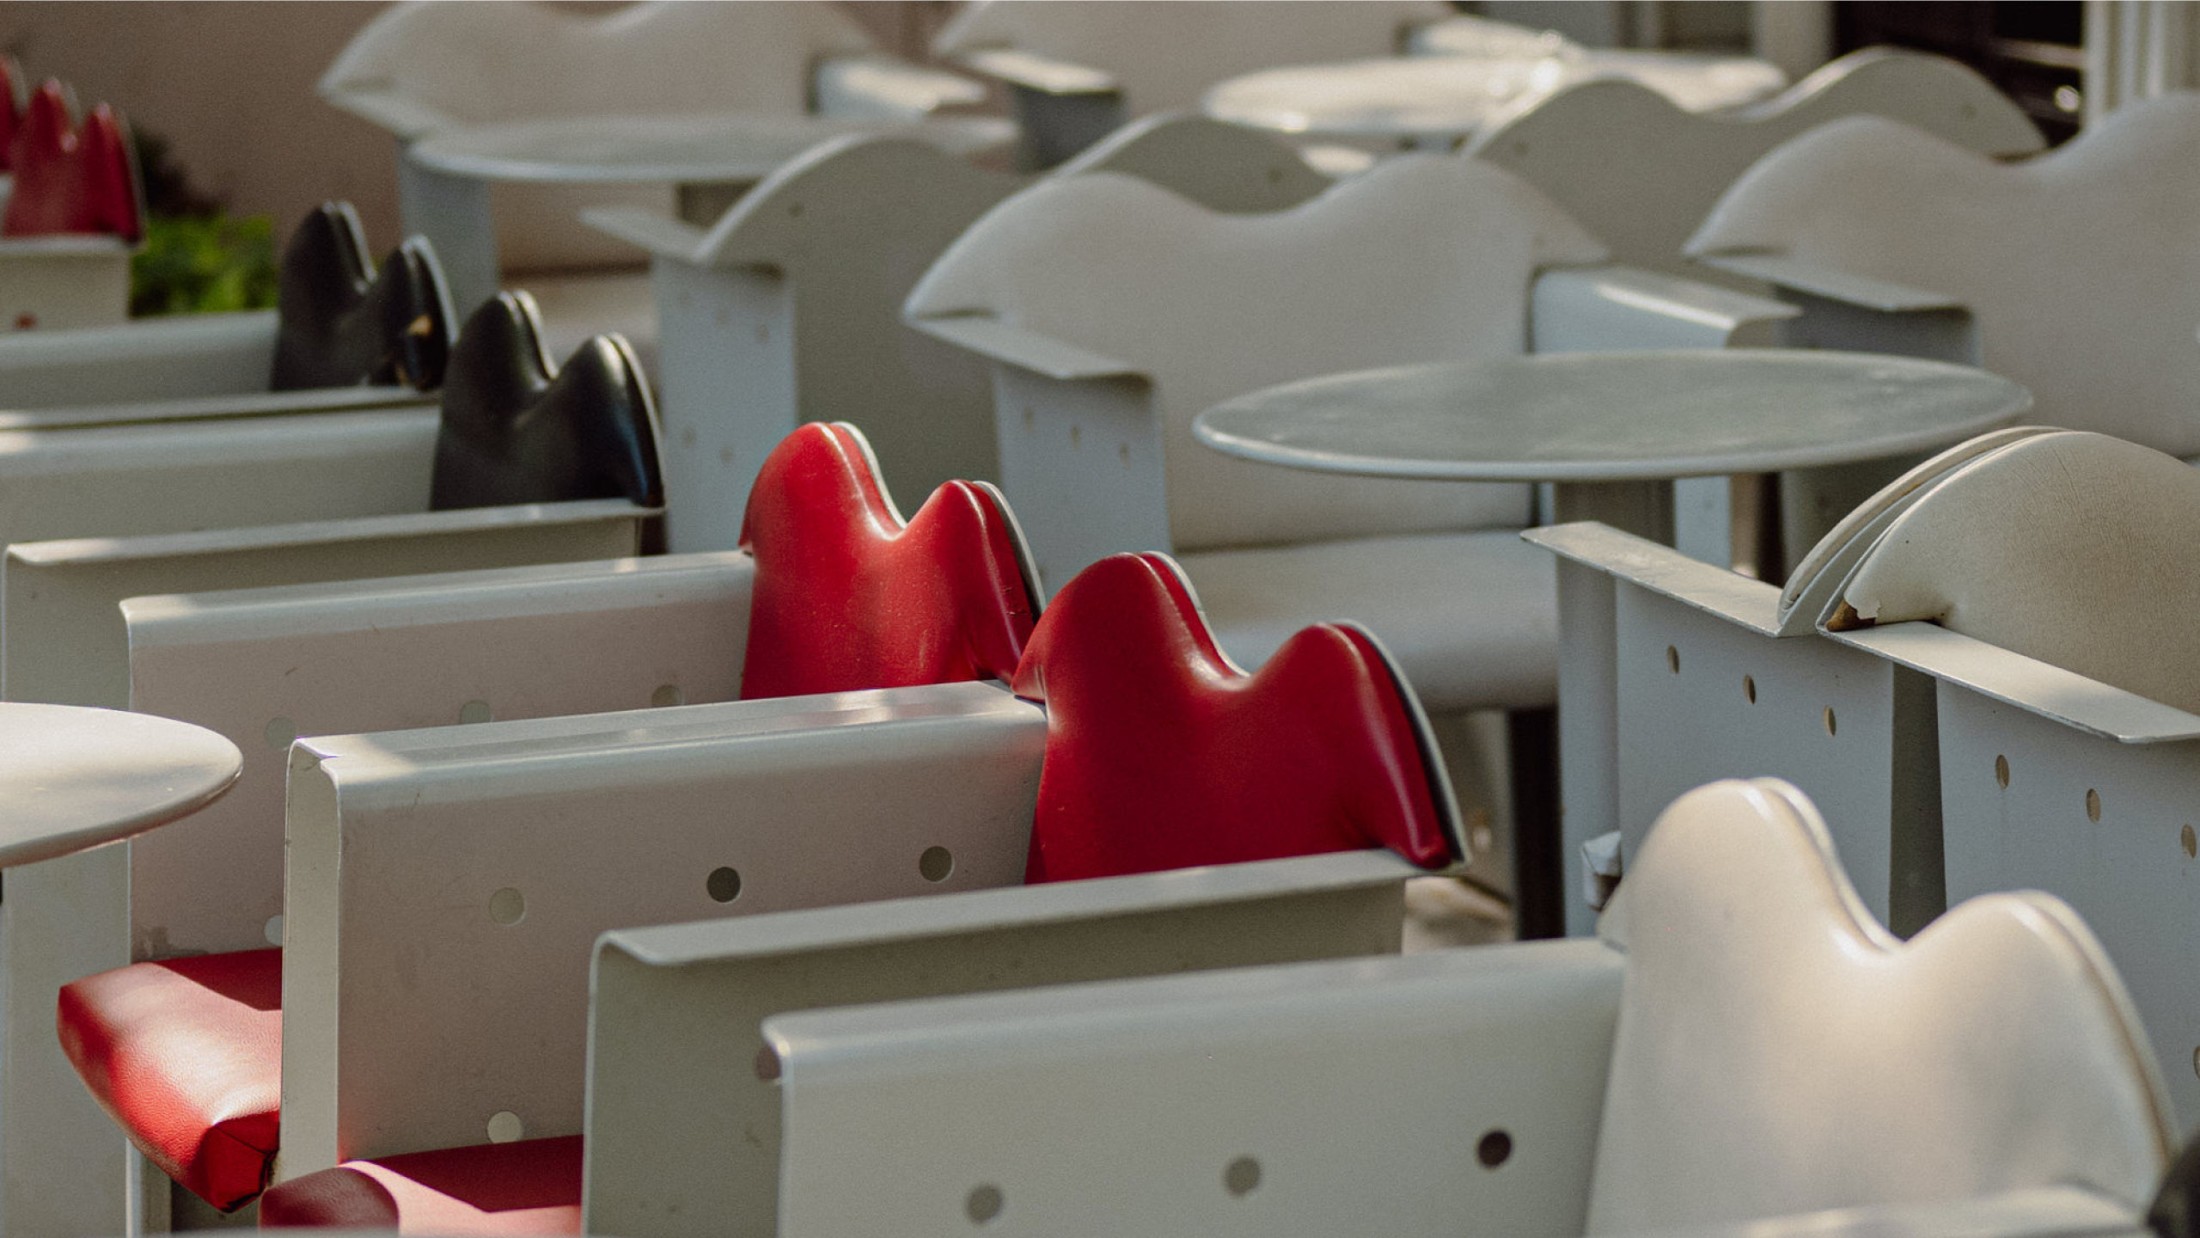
1620, 416
692, 148
72, 778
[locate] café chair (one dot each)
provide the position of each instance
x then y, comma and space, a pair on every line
1111, 313
345, 335
530, 465
2075, 273
74, 214
1743, 1050
788, 308
1169, 811
1077, 70
1648, 635
2039, 596
1640, 172
418, 68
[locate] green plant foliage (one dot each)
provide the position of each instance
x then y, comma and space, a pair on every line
195, 264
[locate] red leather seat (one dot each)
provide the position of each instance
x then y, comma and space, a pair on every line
71, 179
1160, 754
846, 597
529, 1187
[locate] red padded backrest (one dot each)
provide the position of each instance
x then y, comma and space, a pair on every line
1161, 754
11, 111
850, 598
69, 178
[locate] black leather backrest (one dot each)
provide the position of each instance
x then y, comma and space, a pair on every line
343, 324
2176, 1210
518, 430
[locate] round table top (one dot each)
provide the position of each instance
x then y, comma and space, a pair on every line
1450, 97
692, 148
72, 778
1614, 416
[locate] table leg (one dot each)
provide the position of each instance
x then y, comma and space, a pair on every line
453, 213
1644, 508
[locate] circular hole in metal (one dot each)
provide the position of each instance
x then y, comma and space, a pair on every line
1673, 659
273, 929
475, 711
667, 695
2001, 771
983, 1203
2092, 804
505, 1127
1749, 689
936, 864
1494, 1149
1240, 1176
280, 732
1831, 726
2186, 840
767, 1064
723, 884
507, 906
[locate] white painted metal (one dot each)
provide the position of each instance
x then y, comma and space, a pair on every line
405, 995
1641, 173
62, 640
77, 778
179, 357
680, 1126
787, 309
63, 282
1995, 1054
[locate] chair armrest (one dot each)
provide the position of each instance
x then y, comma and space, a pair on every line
62, 638
1751, 604
378, 655
1025, 349
1843, 310
880, 87
167, 358
2036, 1212
1356, 1097
678, 1120
2062, 696
405, 118
661, 235
222, 407
1609, 308
445, 887
1829, 283
1040, 74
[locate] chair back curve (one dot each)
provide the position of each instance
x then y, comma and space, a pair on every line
1162, 754
340, 322
848, 596
72, 178
1779, 1052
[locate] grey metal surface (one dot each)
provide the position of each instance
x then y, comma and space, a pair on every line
72, 778
688, 147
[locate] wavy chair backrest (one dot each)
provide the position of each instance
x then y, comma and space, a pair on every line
341, 323
1640, 172
848, 596
1422, 259
1165, 54
1779, 1052
11, 108
1162, 754
475, 63
72, 178
2071, 548
518, 429
2082, 266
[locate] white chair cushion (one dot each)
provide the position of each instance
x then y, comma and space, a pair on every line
1779, 1052
1422, 259
1471, 617
2082, 266
2078, 550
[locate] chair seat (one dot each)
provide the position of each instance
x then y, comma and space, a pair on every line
578, 305
186, 1054
529, 1187
1472, 617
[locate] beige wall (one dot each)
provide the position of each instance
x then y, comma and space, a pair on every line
230, 85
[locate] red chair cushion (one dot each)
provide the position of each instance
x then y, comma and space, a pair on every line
1161, 754
529, 1187
186, 1054
70, 179
849, 598
11, 116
